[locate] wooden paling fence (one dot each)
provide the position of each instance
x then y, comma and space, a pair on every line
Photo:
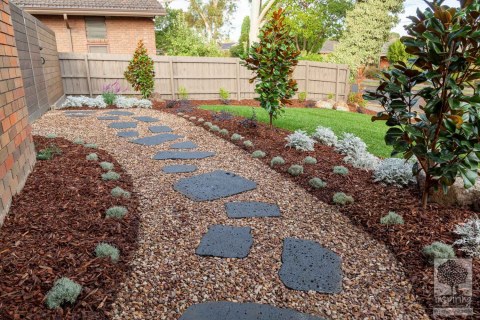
86, 74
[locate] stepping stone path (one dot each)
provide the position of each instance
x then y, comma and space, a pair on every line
108, 118
157, 139
80, 111
160, 129
308, 266
128, 134
251, 209
123, 125
182, 155
184, 145
77, 114
179, 168
226, 242
146, 119
121, 113
224, 310
214, 185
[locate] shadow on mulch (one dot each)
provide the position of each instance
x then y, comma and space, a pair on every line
372, 201
52, 230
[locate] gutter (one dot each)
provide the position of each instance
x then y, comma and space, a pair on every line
96, 12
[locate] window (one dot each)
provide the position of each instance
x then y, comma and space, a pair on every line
96, 27
98, 49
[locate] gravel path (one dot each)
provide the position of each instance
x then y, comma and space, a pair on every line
168, 276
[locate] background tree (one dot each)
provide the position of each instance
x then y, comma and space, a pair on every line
241, 48
396, 52
210, 16
273, 60
368, 27
140, 73
444, 136
258, 14
175, 38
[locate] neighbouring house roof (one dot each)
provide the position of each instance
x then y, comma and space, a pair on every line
142, 8
227, 45
328, 47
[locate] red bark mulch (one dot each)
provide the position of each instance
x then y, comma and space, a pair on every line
52, 230
372, 201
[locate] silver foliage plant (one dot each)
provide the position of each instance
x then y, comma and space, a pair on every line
127, 103
83, 101
394, 171
469, 233
355, 151
325, 136
300, 141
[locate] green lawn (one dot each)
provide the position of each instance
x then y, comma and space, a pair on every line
308, 119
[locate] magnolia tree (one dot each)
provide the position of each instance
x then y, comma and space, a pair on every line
273, 60
444, 135
140, 72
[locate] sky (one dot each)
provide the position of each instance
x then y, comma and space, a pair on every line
244, 10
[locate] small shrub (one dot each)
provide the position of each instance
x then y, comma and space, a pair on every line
302, 96
170, 104
127, 103
341, 170
201, 120
91, 146
192, 118
208, 124
118, 192
64, 290
92, 157
106, 165
295, 170
469, 233
224, 132
259, 154
140, 72
362, 160
110, 176
222, 116
394, 171
317, 183
83, 101
116, 212
107, 250
236, 137
310, 160
78, 141
438, 250
277, 161
215, 128
248, 143
49, 153
51, 136
109, 98
350, 145
224, 96
182, 93
391, 218
342, 199
325, 136
300, 141
250, 122
330, 96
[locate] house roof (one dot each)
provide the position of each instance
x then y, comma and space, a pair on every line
145, 8
328, 47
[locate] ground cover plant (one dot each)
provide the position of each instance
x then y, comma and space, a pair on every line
57, 243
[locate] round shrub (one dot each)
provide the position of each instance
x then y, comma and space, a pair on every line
107, 250
295, 170
317, 183
394, 171
193, 118
342, 199
91, 146
391, 218
300, 141
258, 154
248, 143
78, 141
236, 137
51, 136
118, 192
63, 290
310, 160
110, 176
116, 212
438, 250
224, 132
341, 170
201, 120
208, 124
106, 165
92, 157
215, 128
325, 136
277, 161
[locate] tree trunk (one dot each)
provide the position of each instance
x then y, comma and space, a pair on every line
271, 121
426, 190
254, 21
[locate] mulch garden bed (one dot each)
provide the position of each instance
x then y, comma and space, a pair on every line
372, 200
52, 230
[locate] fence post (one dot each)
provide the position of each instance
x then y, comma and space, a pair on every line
238, 79
337, 79
89, 80
307, 76
172, 88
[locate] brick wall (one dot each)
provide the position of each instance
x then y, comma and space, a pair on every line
123, 33
17, 155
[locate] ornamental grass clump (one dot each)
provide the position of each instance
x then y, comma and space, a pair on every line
317, 183
295, 170
92, 157
325, 136
341, 170
118, 192
110, 176
438, 250
300, 141
277, 161
224, 132
469, 233
248, 143
117, 212
64, 290
392, 218
259, 154
342, 199
49, 153
107, 165
236, 137
310, 160
105, 250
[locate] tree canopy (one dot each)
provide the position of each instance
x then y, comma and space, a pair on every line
240, 49
396, 52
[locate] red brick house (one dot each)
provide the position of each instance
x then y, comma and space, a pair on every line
97, 26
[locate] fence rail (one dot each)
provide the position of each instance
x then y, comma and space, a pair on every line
86, 74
